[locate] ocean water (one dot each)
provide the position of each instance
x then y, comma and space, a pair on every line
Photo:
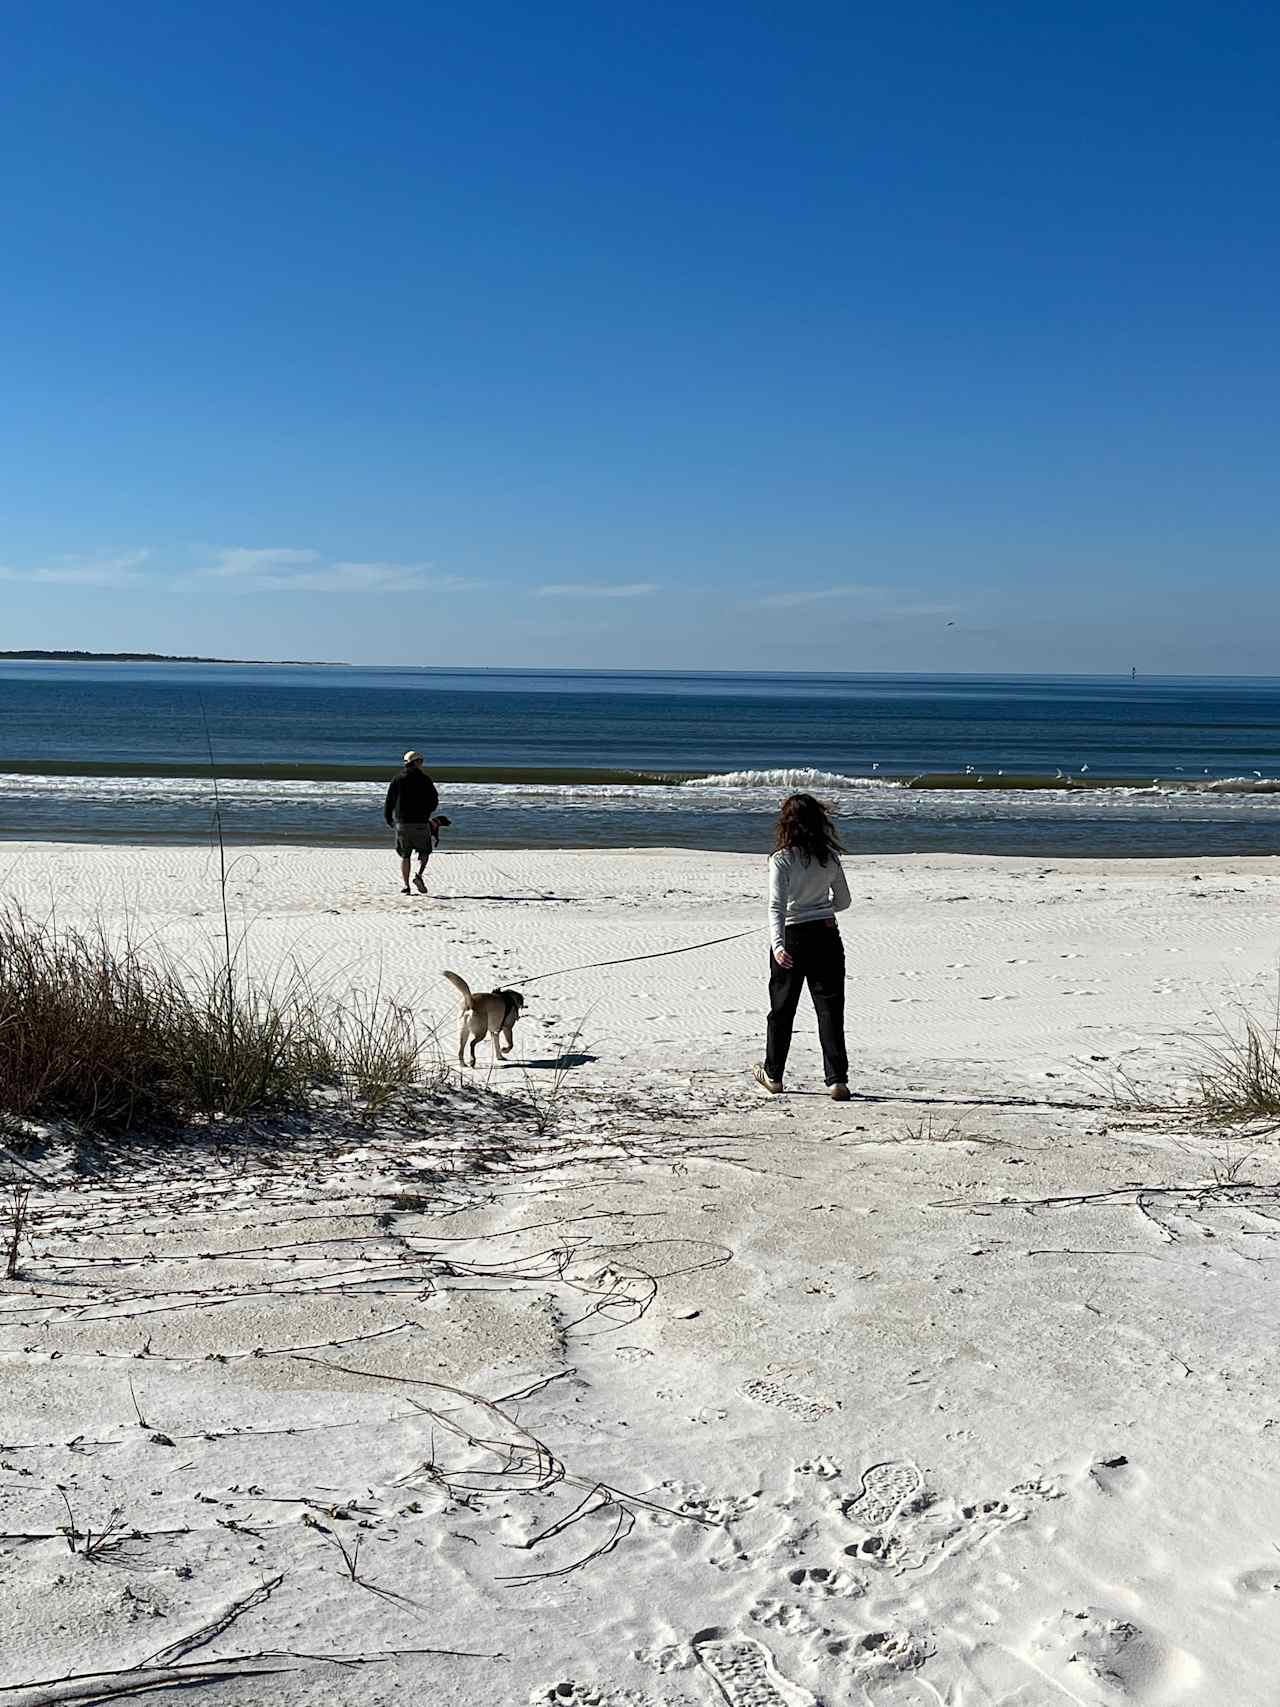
1051, 766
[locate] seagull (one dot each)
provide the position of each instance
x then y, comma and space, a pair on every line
1083, 769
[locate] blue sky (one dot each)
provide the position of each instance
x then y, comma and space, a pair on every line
842, 336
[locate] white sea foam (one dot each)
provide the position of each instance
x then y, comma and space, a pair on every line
1244, 785
794, 779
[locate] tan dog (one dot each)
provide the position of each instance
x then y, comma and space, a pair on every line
491, 1013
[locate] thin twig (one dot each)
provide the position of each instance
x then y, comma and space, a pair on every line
79, 1689
216, 1625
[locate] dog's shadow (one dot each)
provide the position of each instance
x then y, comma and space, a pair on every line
561, 1063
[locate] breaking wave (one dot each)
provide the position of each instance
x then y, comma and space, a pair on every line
794, 779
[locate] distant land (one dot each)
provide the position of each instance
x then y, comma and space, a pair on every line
36, 656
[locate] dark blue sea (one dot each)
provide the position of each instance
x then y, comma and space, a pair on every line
1050, 766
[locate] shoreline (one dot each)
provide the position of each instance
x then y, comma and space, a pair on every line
941, 859
1203, 847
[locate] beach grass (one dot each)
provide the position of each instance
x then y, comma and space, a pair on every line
1237, 1074
97, 1031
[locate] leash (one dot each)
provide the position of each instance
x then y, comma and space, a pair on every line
598, 965
630, 959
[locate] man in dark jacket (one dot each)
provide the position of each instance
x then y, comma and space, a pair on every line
411, 804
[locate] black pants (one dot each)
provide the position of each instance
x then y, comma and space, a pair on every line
818, 956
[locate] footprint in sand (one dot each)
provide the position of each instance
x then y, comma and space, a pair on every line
744, 1672
574, 1694
1260, 1584
880, 1550
937, 1536
883, 1652
831, 1581
886, 1488
930, 1532
784, 1615
794, 1404
825, 1469
668, 1657
1117, 1656
900, 1692
693, 1500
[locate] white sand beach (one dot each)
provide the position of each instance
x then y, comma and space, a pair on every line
964, 1392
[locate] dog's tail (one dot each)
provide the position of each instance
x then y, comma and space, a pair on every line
461, 985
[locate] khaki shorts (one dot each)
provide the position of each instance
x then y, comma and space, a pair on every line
413, 839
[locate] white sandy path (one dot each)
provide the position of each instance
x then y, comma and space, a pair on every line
1075, 1405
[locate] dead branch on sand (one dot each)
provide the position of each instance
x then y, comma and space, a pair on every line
81, 1689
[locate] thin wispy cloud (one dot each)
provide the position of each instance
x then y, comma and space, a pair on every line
810, 596
874, 603
362, 578
118, 571
241, 560
292, 569
598, 590
270, 569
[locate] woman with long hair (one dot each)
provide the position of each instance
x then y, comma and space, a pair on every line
807, 888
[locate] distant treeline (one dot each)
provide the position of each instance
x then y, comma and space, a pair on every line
36, 655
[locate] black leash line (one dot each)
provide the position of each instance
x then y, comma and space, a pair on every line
598, 965
630, 959
506, 875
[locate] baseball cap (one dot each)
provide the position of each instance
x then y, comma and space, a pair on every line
412, 756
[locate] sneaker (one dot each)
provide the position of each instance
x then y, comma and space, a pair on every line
773, 1086
839, 1093
405, 890
419, 885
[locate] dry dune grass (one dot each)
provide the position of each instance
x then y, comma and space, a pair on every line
1238, 1072
95, 1030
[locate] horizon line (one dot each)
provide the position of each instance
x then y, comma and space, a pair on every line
59, 655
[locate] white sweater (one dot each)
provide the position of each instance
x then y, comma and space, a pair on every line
801, 890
